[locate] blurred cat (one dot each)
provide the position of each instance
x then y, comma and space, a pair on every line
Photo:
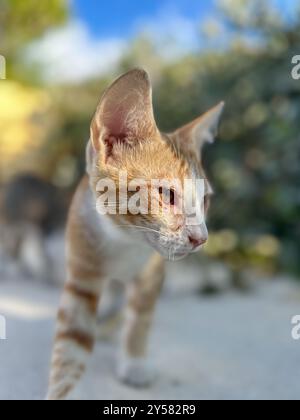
103, 246
30, 210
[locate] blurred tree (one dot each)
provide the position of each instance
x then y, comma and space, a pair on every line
255, 164
23, 122
22, 21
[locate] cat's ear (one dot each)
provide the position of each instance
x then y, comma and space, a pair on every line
125, 113
202, 130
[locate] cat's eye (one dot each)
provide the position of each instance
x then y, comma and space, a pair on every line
167, 195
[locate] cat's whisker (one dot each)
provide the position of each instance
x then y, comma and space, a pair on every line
144, 228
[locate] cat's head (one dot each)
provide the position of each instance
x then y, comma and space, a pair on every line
159, 170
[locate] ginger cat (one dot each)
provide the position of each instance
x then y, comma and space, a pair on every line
128, 247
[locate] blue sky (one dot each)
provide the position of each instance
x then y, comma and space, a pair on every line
100, 32
118, 18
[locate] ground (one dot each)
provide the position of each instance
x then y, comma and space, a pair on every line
232, 346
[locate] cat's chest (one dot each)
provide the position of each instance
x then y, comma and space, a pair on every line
121, 254
126, 262
125, 255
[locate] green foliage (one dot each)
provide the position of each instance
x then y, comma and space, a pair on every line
254, 166
22, 21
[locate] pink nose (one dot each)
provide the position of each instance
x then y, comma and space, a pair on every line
197, 241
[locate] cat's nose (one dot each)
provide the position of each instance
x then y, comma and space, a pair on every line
196, 242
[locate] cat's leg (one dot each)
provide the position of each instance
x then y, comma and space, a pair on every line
111, 309
134, 368
76, 321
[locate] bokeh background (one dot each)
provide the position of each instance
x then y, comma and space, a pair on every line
60, 55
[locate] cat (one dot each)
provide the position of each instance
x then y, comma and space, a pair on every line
129, 247
31, 210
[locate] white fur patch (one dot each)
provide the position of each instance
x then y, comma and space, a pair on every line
135, 371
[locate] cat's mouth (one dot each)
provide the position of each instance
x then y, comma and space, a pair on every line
170, 252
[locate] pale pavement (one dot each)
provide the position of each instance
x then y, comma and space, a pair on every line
231, 346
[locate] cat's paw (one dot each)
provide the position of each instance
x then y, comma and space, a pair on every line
136, 372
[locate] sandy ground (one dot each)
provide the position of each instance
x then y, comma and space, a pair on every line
231, 346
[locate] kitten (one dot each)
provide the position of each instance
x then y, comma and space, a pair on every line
101, 246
